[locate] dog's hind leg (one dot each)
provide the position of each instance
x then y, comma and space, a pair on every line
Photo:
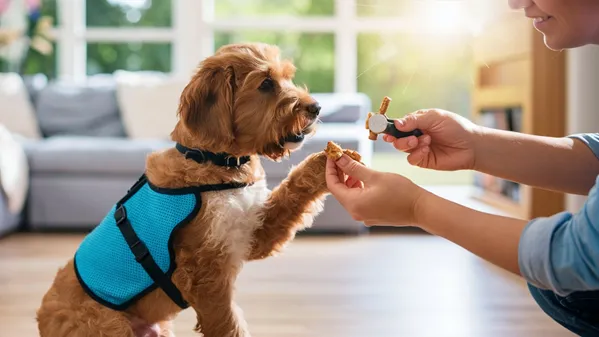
86, 323
220, 319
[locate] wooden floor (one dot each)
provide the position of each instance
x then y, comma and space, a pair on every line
370, 286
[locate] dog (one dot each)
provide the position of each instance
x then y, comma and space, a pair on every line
179, 238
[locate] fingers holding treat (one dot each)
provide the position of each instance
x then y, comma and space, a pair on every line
334, 151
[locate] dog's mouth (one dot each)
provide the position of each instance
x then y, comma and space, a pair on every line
288, 143
294, 141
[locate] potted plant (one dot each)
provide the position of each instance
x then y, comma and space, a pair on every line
23, 30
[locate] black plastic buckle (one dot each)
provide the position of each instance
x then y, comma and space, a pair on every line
120, 215
139, 250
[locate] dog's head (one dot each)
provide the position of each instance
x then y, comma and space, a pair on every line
242, 101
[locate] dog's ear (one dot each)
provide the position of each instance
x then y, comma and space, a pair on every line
206, 104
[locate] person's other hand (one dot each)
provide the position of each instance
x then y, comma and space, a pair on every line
447, 144
370, 196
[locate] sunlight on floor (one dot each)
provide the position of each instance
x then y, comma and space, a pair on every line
396, 162
455, 186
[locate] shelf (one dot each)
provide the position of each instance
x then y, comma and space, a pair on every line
500, 202
514, 69
500, 96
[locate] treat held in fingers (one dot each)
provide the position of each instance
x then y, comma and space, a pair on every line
334, 151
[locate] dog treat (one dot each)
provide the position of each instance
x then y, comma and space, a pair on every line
353, 155
384, 105
333, 151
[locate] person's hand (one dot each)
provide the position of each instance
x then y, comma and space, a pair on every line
448, 143
370, 196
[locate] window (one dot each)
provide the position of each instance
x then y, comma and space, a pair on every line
312, 53
269, 8
384, 8
134, 56
128, 13
379, 47
417, 71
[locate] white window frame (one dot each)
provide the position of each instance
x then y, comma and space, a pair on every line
192, 35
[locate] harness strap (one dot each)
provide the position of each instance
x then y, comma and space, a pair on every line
143, 257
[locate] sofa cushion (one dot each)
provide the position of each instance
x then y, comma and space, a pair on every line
342, 107
82, 109
90, 155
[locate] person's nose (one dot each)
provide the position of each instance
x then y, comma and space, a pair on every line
520, 4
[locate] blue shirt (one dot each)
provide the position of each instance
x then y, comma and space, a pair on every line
561, 252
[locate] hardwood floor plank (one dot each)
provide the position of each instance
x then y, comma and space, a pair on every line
385, 285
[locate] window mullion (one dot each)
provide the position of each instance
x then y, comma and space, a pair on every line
71, 46
194, 39
346, 47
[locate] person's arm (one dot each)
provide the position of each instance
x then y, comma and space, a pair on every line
491, 237
560, 253
566, 164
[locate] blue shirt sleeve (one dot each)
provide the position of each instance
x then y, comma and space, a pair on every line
561, 252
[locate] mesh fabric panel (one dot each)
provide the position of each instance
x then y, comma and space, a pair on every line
105, 262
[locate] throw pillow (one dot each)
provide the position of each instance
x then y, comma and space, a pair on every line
16, 111
88, 108
14, 171
148, 103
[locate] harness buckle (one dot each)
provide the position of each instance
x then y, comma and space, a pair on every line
139, 250
120, 215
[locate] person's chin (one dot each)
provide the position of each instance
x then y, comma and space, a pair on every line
558, 44
553, 44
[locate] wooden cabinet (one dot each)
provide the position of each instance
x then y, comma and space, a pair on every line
518, 78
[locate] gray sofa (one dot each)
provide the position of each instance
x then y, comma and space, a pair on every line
85, 162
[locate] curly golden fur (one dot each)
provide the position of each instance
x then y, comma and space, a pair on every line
241, 101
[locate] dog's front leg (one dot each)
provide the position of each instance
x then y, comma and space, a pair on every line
291, 206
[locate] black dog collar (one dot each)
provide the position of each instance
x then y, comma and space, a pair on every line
220, 159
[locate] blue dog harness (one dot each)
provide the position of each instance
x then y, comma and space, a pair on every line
130, 252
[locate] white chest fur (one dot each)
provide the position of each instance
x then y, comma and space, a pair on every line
233, 217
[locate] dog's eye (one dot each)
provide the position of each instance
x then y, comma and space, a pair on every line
267, 85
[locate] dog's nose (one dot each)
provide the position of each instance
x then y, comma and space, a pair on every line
314, 108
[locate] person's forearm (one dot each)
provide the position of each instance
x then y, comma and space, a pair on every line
491, 237
560, 164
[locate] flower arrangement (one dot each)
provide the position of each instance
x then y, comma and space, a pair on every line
22, 29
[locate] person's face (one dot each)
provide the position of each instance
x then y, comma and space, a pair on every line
564, 23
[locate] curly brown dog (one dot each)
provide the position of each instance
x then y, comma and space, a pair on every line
240, 105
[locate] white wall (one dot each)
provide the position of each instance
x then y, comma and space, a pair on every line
582, 99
